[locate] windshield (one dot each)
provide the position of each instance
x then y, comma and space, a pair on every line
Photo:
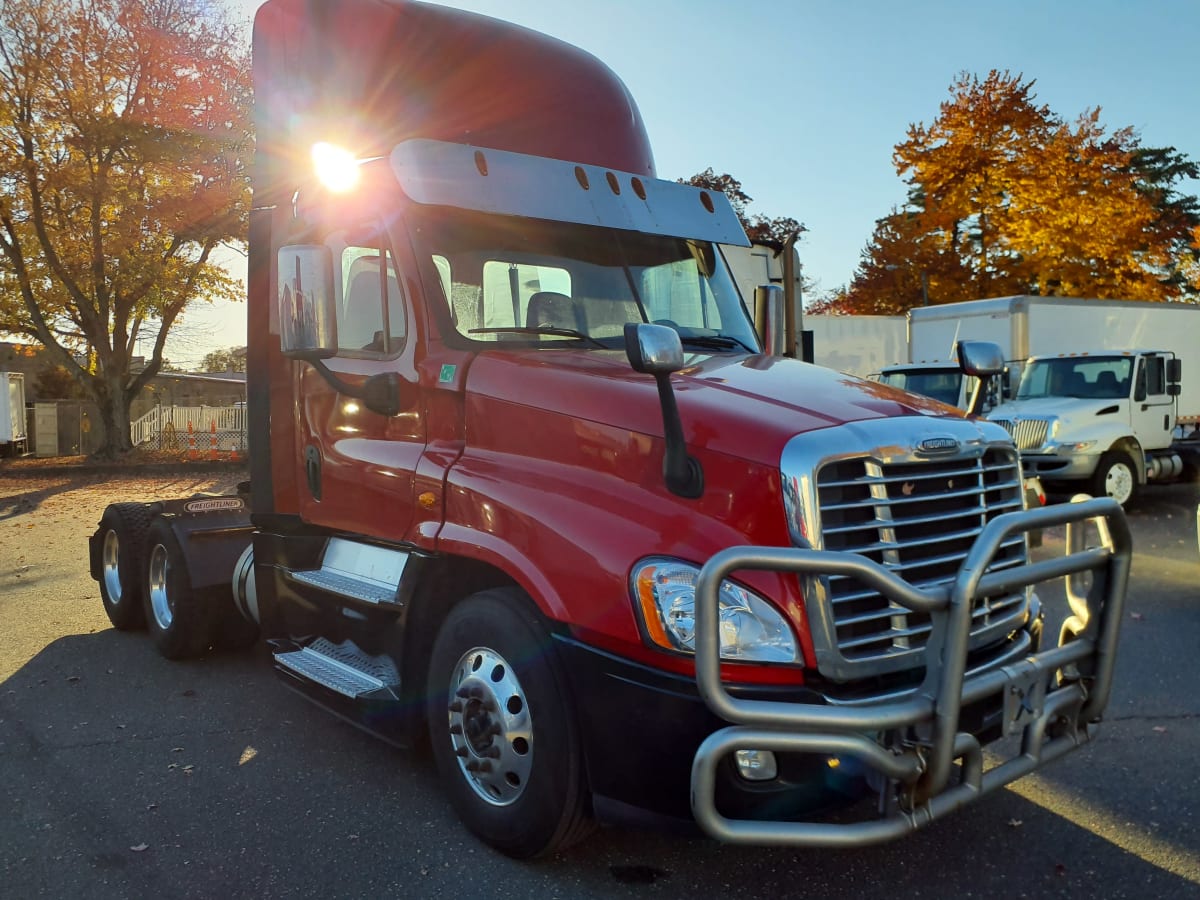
552, 284
940, 384
1095, 377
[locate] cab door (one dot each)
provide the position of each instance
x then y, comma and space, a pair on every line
359, 465
1152, 413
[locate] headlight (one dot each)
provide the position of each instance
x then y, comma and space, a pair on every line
751, 629
1077, 447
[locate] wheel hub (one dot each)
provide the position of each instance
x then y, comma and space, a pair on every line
1119, 483
491, 732
111, 556
162, 605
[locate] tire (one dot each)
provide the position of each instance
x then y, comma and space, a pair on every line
179, 619
124, 526
501, 727
1116, 477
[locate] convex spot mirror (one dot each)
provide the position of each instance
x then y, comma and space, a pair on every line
306, 303
980, 358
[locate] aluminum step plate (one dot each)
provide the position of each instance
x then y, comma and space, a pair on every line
340, 668
347, 585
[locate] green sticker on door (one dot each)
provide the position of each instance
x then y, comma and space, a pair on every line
447, 374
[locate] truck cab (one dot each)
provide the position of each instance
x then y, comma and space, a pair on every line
1103, 421
942, 380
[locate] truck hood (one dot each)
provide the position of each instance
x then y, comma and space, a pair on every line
1065, 409
745, 406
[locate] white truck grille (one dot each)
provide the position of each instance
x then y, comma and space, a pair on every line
1029, 434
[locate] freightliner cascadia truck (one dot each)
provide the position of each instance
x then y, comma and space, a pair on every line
525, 488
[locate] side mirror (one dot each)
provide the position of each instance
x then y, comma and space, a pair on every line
306, 304
980, 358
984, 360
769, 321
1174, 370
656, 350
653, 349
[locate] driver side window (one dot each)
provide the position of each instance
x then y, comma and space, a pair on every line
371, 308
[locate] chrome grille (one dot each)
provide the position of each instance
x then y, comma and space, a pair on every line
919, 518
1029, 434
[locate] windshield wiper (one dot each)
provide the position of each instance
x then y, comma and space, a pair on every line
545, 329
713, 341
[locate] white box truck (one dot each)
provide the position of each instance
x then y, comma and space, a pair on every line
14, 436
1023, 326
1108, 395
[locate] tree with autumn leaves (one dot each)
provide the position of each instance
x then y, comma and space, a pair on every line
1007, 198
124, 132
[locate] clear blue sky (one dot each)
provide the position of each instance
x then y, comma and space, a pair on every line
803, 101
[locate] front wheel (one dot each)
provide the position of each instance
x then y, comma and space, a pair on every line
502, 729
1116, 477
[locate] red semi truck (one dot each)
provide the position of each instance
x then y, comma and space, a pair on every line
524, 486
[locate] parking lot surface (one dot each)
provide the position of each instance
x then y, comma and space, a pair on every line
124, 775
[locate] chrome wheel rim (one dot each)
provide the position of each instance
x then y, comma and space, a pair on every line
491, 732
161, 604
111, 565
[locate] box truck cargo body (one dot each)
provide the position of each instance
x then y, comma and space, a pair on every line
14, 436
858, 345
1026, 326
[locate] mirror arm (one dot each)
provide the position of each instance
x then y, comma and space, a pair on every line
682, 473
379, 393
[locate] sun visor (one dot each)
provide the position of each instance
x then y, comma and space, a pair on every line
438, 173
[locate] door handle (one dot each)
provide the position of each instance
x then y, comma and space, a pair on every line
312, 470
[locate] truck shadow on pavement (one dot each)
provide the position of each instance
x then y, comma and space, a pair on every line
134, 776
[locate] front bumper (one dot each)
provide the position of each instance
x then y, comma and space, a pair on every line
926, 766
641, 728
1053, 466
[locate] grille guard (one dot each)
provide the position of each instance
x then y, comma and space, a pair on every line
1051, 697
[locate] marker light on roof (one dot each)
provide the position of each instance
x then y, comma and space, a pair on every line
336, 167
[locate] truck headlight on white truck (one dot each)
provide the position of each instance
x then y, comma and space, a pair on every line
752, 630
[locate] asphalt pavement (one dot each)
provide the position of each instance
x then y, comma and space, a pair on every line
124, 775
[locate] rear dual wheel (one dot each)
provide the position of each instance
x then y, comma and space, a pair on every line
124, 526
178, 617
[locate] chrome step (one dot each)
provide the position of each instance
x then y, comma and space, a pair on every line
346, 585
358, 571
342, 668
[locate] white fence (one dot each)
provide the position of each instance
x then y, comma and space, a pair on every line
202, 428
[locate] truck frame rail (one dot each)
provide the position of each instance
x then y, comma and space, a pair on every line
1050, 697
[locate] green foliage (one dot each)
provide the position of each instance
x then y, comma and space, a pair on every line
228, 360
